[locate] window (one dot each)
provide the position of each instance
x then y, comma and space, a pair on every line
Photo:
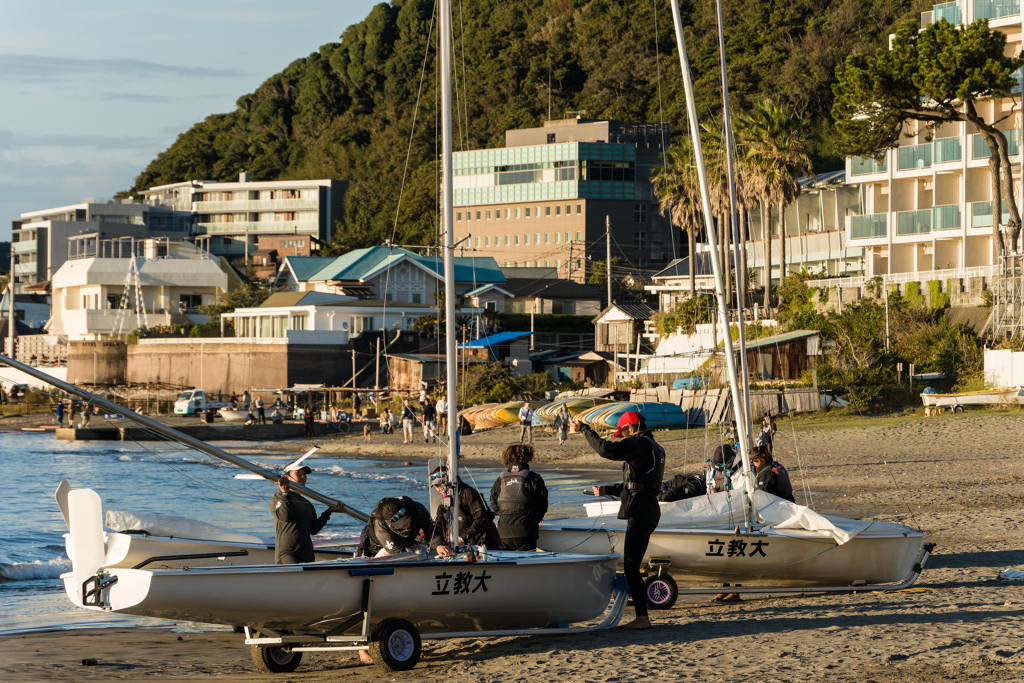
568, 209
547, 212
478, 215
492, 306
489, 217
640, 213
417, 298
508, 213
469, 215
558, 263
563, 307
551, 138
190, 300
487, 241
299, 322
547, 264
506, 240
389, 297
526, 238
527, 212
458, 216
579, 237
567, 238
536, 238
517, 240
361, 324
538, 212
477, 245
558, 238
547, 238
640, 239
517, 212
579, 209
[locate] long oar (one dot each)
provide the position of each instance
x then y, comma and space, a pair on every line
175, 435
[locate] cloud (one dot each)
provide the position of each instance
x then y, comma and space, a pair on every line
10, 141
135, 98
35, 68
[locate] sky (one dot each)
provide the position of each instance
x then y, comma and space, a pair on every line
92, 92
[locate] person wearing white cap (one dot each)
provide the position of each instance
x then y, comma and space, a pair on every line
295, 520
643, 467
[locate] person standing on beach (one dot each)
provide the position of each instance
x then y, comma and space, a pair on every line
60, 414
246, 400
295, 520
526, 424
519, 498
562, 420
442, 414
643, 467
408, 420
429, 422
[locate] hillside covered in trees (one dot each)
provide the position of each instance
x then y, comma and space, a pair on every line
353, 109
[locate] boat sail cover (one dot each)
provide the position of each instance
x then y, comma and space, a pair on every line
726, 510
175, 526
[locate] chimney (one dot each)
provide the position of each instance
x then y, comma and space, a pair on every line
243, 177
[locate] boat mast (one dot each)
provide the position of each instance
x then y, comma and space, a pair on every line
738, 242
716, 265
173, 434
451, 352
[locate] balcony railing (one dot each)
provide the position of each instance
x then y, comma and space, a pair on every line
981, 214
257, 205
28, 246
994, 9
864, 166
981, 151
870, 225
950, 11
915, 156
946, 217
265, 227
946, 150
914, 222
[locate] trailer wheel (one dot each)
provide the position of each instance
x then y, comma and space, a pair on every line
958, 409
275, 660
395, 645
661, 590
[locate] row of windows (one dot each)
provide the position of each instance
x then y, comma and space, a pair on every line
518, 212
524, 239
557, 263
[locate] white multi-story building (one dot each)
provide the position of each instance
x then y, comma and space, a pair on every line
95, 299
927, 205
235, 215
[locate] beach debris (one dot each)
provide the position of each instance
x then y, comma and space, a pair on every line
1011, 575
89, 662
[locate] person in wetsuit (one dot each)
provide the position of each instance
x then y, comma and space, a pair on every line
519, 498
476, 522
295, 520
396, 525
770, 476
643, 467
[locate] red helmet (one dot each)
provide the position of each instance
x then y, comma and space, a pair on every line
628, 418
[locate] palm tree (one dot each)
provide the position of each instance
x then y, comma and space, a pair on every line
675, 186
774, 155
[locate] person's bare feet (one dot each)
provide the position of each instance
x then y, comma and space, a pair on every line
638, 624
365, 657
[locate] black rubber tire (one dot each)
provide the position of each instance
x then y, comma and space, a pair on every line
275, 660
395, 645
345, 427
958, 409
661, 591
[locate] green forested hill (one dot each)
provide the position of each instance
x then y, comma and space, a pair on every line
347, 110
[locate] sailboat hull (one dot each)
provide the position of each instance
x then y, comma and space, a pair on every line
771, 557
129, 550
507, 591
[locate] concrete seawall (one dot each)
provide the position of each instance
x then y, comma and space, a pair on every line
269, 432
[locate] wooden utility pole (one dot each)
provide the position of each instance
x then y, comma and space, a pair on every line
353, 368
608, 255
376, 374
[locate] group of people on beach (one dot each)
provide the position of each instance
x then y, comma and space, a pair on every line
519, 502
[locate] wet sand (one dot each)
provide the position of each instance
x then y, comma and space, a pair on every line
957, 476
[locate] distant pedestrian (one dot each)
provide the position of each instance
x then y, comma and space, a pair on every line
233, 401
246, 400
423, 396
261, 414
60, 414
408, 420
429, 422
87, 416
562, 420
357, 403
442, 414
307, 422
250, 419
276, 417
526, 424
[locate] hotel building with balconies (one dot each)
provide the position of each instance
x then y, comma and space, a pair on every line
927, 205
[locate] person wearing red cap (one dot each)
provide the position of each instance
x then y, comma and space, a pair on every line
643, 467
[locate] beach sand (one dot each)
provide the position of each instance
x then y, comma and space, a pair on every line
958, 476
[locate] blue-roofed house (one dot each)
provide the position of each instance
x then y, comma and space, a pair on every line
386, 273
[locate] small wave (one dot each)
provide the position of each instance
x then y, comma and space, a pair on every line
201, 461
31, 571
335, 469
128, 458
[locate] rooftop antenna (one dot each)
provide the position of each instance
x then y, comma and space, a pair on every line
131, 282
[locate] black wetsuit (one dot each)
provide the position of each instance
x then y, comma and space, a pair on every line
476, 523
295, 521
378, 534
643, 466
520, 499
774, 479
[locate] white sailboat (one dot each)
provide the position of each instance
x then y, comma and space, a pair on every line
329, 605
746, 536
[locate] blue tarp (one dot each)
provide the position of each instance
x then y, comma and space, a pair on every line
501, 337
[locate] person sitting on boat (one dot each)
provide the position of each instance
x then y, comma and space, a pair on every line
476, 522
770, 476
519, 498
276, 417
250, 419
295, 520
643, 468
722, 468
681, 487
396, 525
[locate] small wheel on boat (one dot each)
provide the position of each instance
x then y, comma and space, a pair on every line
958, 409
275, 660
662, 591
395, 645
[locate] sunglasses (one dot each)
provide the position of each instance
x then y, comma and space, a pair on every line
398, 515
438, 477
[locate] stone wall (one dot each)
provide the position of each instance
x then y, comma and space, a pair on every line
96, 362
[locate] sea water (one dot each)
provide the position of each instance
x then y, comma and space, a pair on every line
168, 478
